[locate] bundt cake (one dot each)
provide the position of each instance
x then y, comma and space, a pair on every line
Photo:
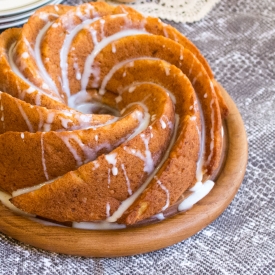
106, 115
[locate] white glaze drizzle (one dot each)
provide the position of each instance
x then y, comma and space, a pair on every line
25, 55
96, 165
5, 199
38, 99
127, 180
181, 53
111, 159
77, 71
132, 87
98, 225
49, 120
88, 70
109, 177
199, 191
159, 216
163, 124
113, 47
2, 110
39, 62
102, 23
65, 52
72, 149
143, 120
129, 201
20, 75
118, 66
212, 128
211, 134
108, 209
167, 70
167, 195
43, 157
65, 122
21, 191
201, 134
24, 115
195, 80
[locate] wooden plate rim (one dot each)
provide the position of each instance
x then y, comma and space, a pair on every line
131, 241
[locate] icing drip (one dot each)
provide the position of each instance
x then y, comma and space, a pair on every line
5, 199
129, 201
111, 159
88, 69
48, 125
32, 188
28, 189
77, 157
113, 48
37, 54
167, 195
24, 115
132, 87
212, 128
77, 71
20, 75
96, 165
163, 124
2, 110
65, 122
109, 177
65, 52
38, 99
89, 153
201, 134
108, 209
127, 180
181, 53
159, 216
98, 225
118, 66
143, 121
167, 70
195, 80
199, 191
146, 158
43, 158
102, 23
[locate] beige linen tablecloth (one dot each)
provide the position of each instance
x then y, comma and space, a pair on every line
238, 39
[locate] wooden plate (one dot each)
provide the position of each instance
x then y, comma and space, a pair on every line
147, 238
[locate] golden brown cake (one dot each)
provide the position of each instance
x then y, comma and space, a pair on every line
105, 115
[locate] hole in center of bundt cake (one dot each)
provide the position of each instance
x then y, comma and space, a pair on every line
91, 103
96, 108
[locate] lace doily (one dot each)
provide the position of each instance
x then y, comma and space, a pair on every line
176, 10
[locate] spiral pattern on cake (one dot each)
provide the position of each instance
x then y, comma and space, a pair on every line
104, 115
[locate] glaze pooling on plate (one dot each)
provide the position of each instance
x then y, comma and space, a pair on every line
154, 128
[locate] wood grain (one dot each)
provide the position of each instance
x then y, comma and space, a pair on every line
147, 238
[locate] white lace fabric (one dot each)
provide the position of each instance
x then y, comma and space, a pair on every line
179, 11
